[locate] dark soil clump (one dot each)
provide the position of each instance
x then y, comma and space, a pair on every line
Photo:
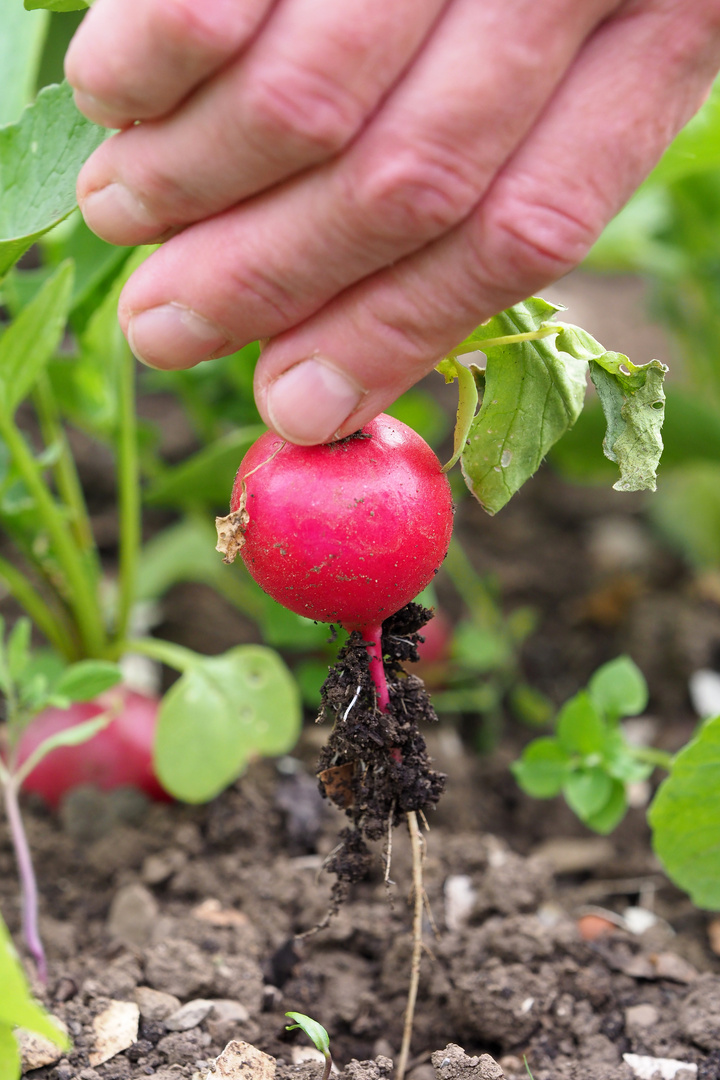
375, 765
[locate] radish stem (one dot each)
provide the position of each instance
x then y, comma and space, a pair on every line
27, 880
372, 636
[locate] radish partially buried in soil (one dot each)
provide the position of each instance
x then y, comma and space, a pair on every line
118, 756
349, 532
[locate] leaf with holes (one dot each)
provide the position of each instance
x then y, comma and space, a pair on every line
633, 401
223, 711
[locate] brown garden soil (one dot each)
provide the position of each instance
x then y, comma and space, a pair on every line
199, 915
165, 905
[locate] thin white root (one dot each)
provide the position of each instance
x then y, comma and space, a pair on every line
416, 843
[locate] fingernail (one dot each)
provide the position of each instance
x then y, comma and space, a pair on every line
172, 336
113, 209
309, 402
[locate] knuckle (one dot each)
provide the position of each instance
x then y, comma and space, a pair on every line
420, 192
305, 106
212, 28
537, 239
270, 306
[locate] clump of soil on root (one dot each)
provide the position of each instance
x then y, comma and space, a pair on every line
375, 764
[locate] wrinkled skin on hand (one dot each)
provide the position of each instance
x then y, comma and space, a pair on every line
363, 183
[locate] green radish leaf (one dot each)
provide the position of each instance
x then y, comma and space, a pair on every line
543, 768
40, 158
223, 711
97, 266
686, 510
618, 688
633, 401
18, 649
30, 340
533, 394
206, 477
619, 761
587, 791
185, 551
579, 727
17, 1006
611, 814
314, 1031
9, 1054
57, 5
21, 43
87, 387
86, 679
685, 818
468, 396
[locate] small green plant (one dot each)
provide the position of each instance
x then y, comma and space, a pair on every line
590, 761
317, 1035
30, 686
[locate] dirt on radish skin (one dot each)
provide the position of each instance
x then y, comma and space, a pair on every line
347, 532
350, 532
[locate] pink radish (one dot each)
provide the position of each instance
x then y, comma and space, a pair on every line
119, 755
347, 532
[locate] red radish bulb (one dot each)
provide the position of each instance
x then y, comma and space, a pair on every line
346, 532
120, 755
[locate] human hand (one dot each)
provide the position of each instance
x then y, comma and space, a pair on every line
363, 183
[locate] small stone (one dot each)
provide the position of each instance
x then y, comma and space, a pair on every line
158, 868
181, 968
211, 911
650, 1068
453, 1063
36, 1050
189, 1015
229, 1012
639, 1017
133, 912
155, 1004
241, 1061
116, 1028
460, 896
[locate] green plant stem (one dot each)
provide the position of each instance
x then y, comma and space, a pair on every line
471, 586
167, 652
660, 758
66, 477
82, 595
128, 494
505, 339
57, 630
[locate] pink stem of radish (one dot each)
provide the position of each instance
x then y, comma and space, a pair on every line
28, 883
373, 636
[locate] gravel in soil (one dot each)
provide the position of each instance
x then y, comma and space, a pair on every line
192, 915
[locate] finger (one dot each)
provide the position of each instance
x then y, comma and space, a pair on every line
257, 270
137, 59
330, 375
299, 95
